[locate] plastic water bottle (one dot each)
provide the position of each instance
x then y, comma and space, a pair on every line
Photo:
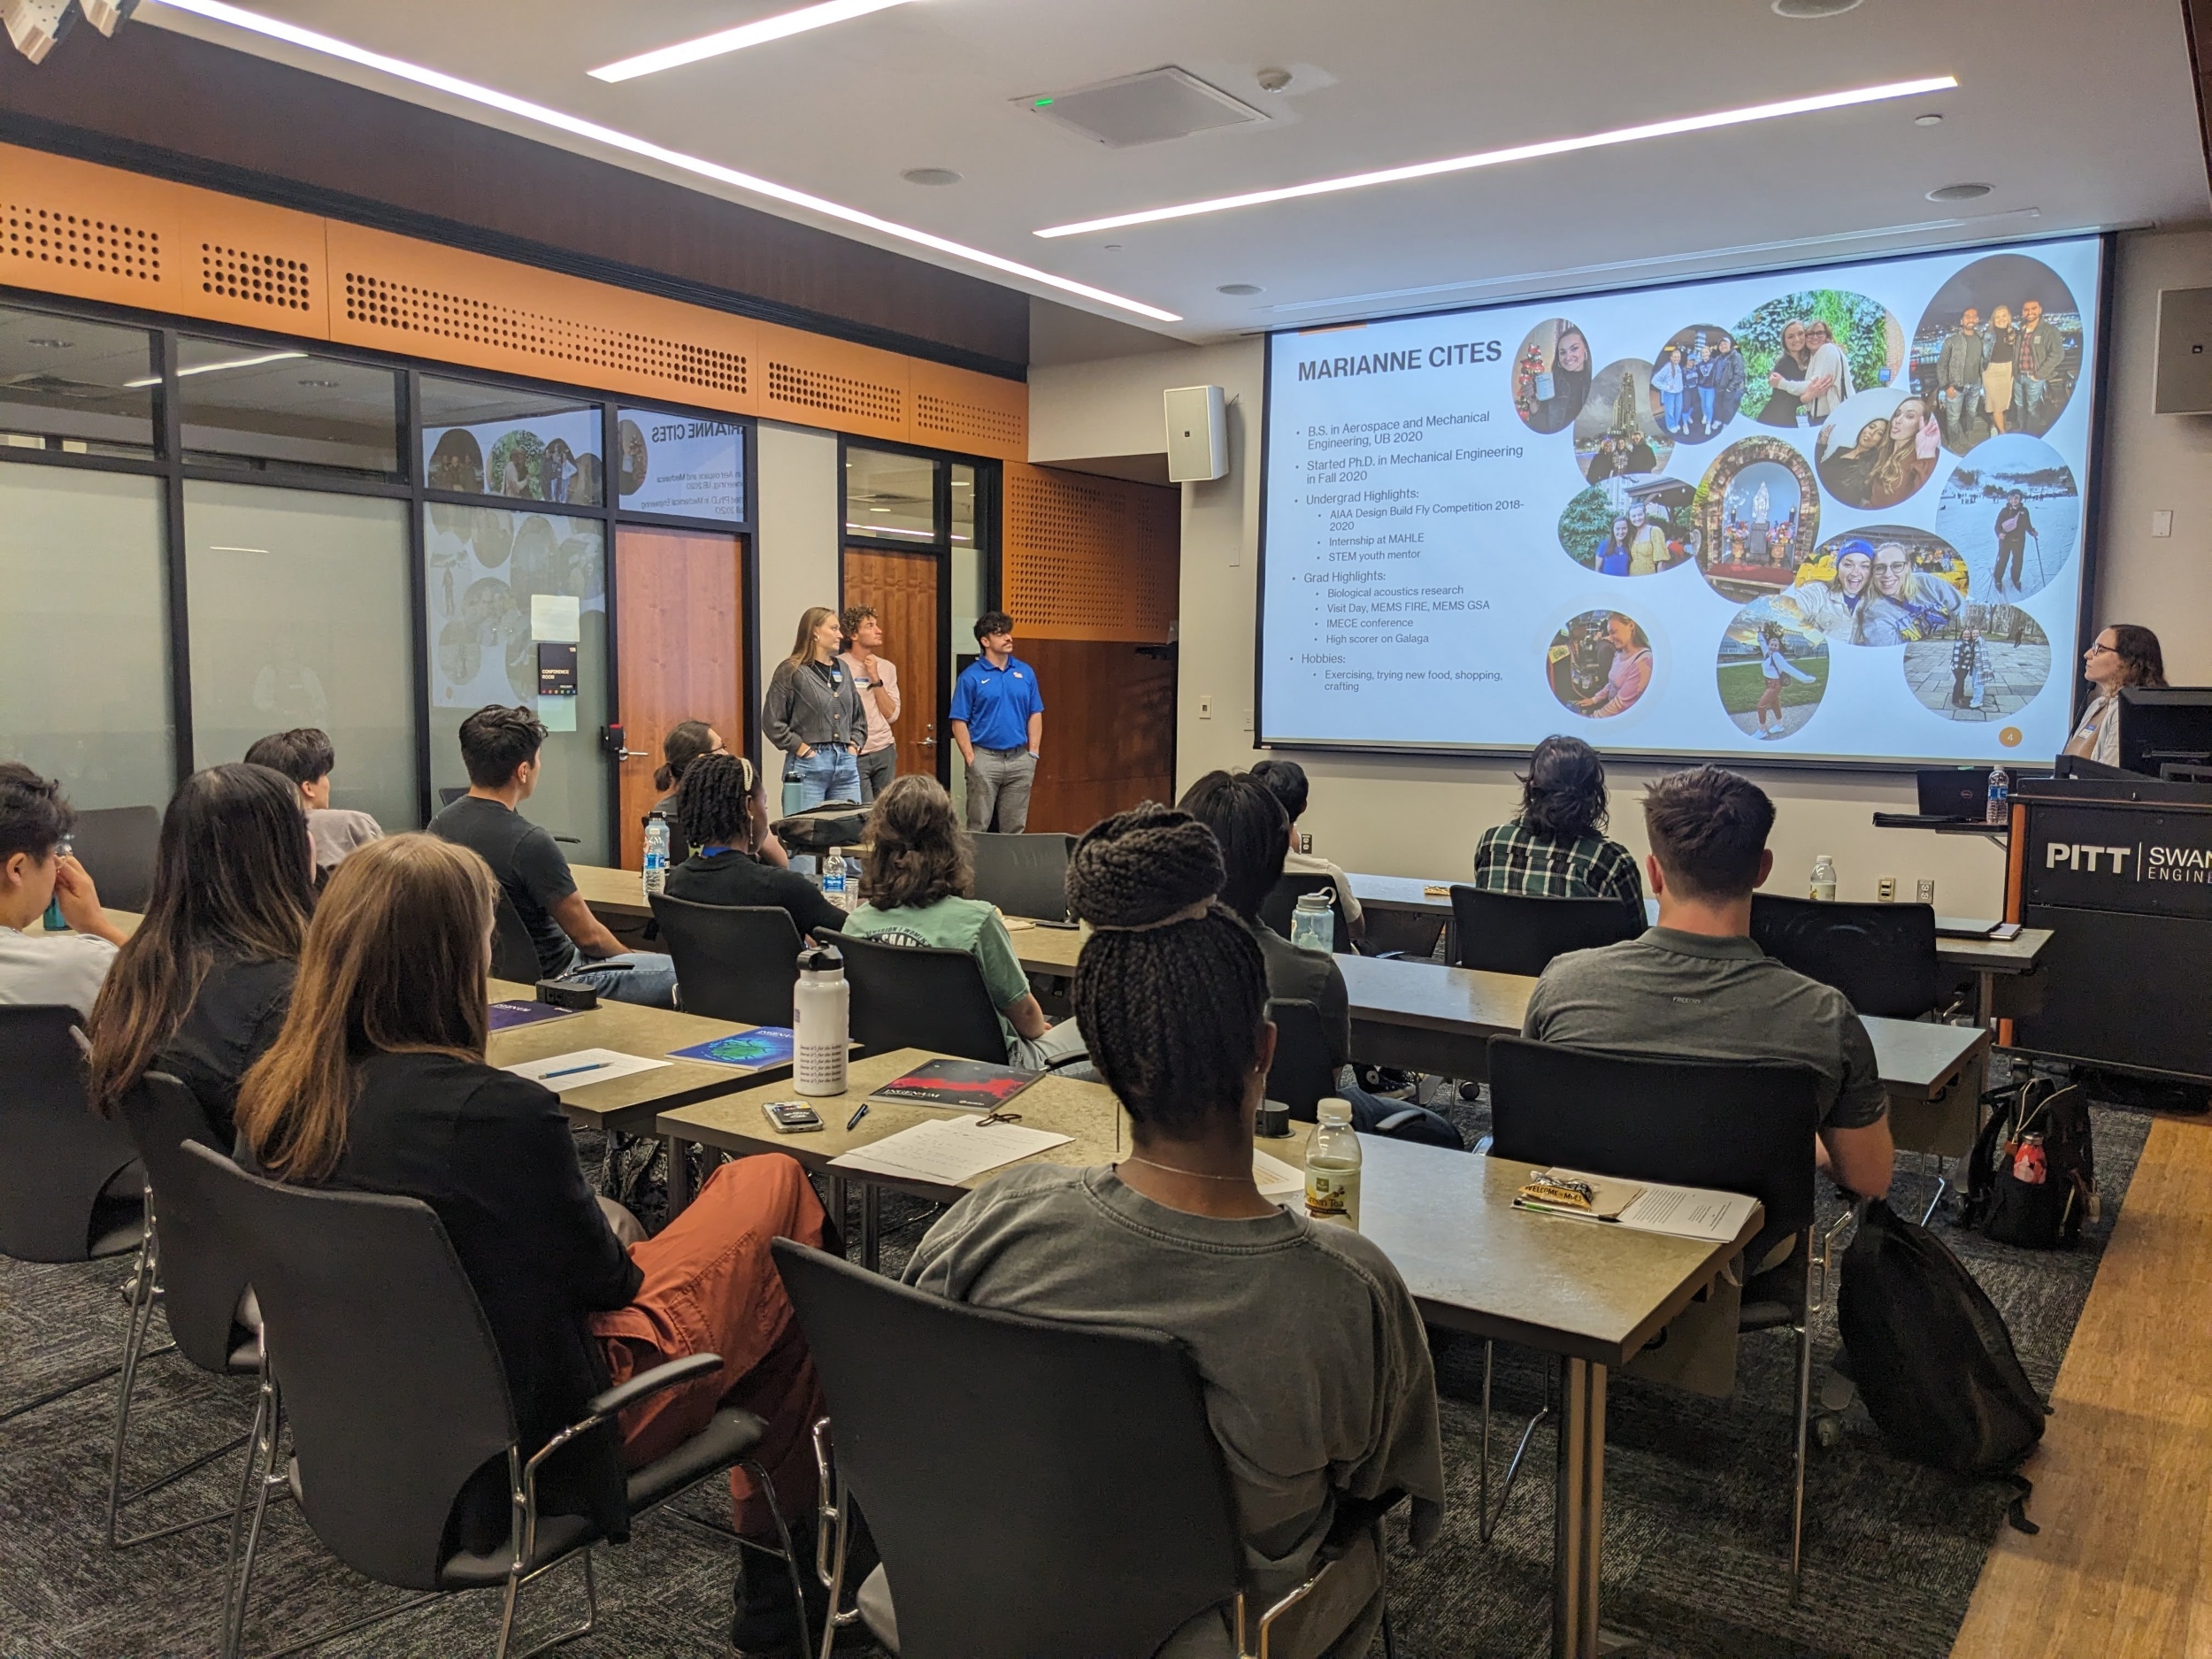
821, 1022
833, 879
1823, 880
656, 853
1313, 923
1999, 810
54, 923
1333, 1160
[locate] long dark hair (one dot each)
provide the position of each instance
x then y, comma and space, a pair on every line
1562, 793
918, 853
715, 807
233, 873
687, 742
2140, 654
1253, 832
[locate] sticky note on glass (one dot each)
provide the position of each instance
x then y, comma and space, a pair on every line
556, 617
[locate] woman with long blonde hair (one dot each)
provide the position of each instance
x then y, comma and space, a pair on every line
813, 713
378, 1083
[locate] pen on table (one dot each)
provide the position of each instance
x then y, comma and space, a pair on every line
853, 1122
570, 1070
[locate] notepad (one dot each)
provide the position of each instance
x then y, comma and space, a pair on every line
1276, 1178
1681, 1212
948, 1152
583, 1068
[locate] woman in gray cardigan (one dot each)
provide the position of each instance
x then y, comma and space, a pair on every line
812, 712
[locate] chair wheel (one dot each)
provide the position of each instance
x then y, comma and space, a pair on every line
1827, 1434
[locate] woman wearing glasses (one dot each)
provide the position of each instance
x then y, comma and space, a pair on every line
2123, 654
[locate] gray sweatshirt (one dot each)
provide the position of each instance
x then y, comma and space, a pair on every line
803, 706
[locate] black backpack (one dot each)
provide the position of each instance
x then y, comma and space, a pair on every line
1931, 1354
2048, 1121
819, 828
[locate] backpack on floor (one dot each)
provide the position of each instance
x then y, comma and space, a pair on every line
819, 828
2033, 1178
1930, 1354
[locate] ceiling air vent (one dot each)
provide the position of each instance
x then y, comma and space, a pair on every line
1146, 109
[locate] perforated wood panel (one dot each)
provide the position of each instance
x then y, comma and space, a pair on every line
68, 228
257, 278
1091, 558
972, 412
817, 382
38, 235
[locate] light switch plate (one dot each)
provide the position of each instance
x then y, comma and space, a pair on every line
1205, 708
2161, 523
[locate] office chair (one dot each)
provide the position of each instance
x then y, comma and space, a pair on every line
736, 962
1519, 933
448, 793
117, 845
1302, 1076
918, 996
1882, 957
1023, 875
514, 954
1282, 899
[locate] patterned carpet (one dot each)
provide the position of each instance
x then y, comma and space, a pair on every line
1696, 1504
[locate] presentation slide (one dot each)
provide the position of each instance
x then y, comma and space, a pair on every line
1833, 514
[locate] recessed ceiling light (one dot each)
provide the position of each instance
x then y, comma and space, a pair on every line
1240, 289
325, 384
930, 175
1519, 153
1814, 8
453, 86
51, 344
738, 39
1930, 119
1959, 192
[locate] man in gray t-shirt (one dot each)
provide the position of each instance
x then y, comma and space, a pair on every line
1696, 987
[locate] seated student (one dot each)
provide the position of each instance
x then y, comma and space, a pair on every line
916, 878
1315, 1368
200, 989
377, 1084
1555, 847
1253, 832
499, 747
1696, 987
687, 740
1286, 779
305, 757
725, 816
63, 969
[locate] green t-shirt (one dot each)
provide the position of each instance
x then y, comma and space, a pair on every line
954, 923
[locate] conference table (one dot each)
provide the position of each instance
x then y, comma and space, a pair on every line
1591, 1295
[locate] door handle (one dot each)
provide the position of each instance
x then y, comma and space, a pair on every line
634, 754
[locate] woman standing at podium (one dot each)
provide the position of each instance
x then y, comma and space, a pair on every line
2123, 654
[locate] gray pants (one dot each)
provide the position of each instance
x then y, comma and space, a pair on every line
877, 770
999, 778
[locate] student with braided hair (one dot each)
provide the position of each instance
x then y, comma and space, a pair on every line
723, 812
1317, 1372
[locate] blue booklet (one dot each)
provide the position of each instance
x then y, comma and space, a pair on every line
506, 1015
751, 1050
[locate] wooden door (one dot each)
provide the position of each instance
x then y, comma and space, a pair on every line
680, 644
901, 585
1110, 729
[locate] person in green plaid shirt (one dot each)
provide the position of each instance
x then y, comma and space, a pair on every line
1556, 849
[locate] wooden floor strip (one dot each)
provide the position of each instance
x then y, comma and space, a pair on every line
2122, 1567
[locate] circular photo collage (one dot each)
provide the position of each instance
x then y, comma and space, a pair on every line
1600, 664
1772, 670
1998, 351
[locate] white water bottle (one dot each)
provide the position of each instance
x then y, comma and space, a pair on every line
1999, 808
1823, 880
1313, 923
1333, 1165
821, 1023
833, 879
656, 853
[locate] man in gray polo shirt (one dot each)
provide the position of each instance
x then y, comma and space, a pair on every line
1696, 987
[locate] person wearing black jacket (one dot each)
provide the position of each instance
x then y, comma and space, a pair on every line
725, 814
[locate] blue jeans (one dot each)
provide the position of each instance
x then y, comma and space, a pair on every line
828, 774
642, 976
1705, 396
1671, 402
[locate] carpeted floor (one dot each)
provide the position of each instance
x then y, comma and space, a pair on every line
1696, 1503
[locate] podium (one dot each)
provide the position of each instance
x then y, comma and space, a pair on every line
2121, 870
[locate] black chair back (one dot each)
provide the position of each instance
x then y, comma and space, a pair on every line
1023, 875
514, 955
734, 961
1302, 1076
1033, 1487
1882, 957
202, 1276
117, 845
918, 996
1517, 933
392, 1383
1282, 899
449, 794
56, 1157
1730, 1128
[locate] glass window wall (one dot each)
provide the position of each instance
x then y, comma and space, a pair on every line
488, 441
890, 496
80, 388
238, 403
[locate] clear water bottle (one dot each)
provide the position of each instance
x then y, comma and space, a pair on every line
1313, 923
821, 1022
1333, 1160
54, 920
656, 853
2000, 809
1824, 879
833, 879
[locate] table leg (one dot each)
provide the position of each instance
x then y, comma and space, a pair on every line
679, 1176
872, 1226
840, 1204
1579, 1526
1985, 999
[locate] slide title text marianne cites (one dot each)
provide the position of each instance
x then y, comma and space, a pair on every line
1398, 362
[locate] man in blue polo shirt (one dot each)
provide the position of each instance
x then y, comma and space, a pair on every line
998, 719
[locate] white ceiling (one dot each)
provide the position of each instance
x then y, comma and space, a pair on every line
2077, 120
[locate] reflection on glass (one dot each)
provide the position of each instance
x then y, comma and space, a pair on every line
890, 496
84, 640
498, 582
78, 386
488, 441
685, 465
963, 506
240, 403
299, 615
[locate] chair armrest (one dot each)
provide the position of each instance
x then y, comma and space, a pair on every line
651, 1382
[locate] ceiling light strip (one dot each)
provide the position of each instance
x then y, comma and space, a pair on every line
1520, 153
218, 368
738, 39
308, 40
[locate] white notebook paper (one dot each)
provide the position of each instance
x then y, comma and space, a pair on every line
947, 1153
1682, 1212
583, 1068
1276, 1178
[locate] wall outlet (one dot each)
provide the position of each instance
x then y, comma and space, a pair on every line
1305, 842
1205, 708
2161, 523
1886, 890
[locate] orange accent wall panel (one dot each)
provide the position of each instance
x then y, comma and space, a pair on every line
977, 414
811, 381
1090, 559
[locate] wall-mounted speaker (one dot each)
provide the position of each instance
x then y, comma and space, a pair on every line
1197, 434
2184, 352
